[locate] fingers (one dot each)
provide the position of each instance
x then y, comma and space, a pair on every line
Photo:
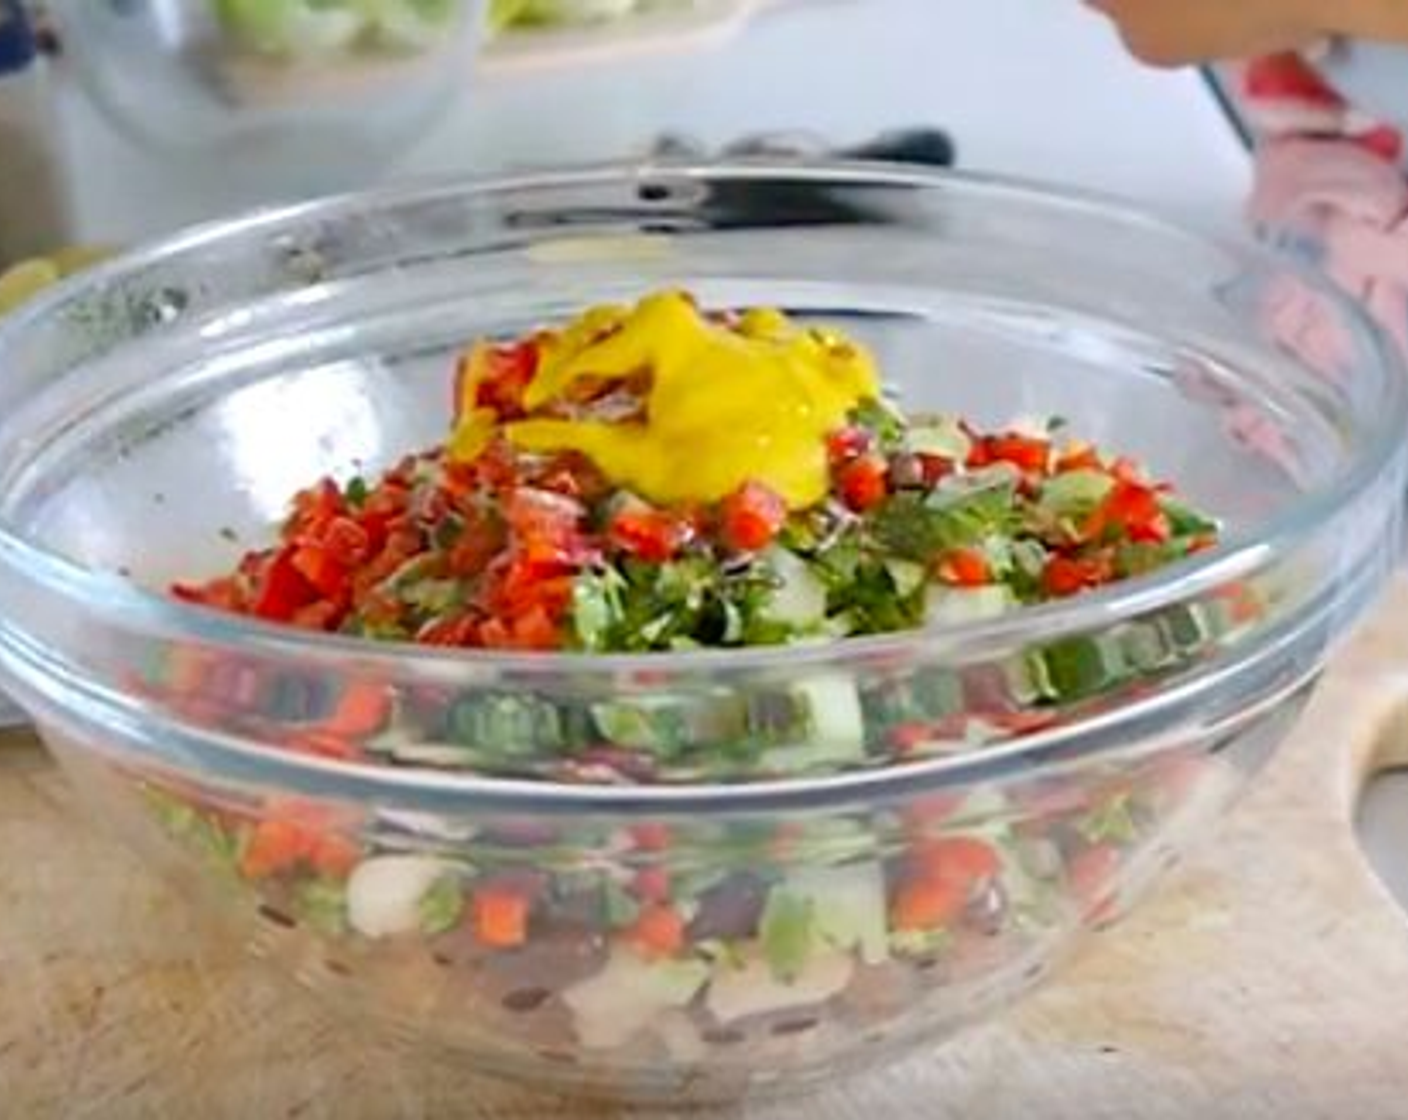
1167, 34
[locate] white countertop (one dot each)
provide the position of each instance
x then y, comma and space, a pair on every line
1030, 87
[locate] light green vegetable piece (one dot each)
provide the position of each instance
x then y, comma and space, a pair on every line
835, 731
846, 905
738, 992
787, 933
609, 1008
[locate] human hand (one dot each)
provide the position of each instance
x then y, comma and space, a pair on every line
1178, 32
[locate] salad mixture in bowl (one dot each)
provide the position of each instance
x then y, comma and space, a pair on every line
660, 477
561, 621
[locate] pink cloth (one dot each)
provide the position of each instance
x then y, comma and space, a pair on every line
1330, 174
1355, 204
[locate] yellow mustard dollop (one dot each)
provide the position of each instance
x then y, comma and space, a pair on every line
726, 404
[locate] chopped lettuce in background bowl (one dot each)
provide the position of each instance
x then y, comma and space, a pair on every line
305, 28
515, 15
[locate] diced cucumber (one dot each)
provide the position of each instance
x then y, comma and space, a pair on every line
1078, 668
322, 905
668, 724
507, 723
1188, 626
957, 605
609, 1008
787, 933
799, 601
986, 813
1076, 493
831, 840
439, 908
847, 906
450, 756
1184, 521
941, 436
908, 576
1145, 648
385, 894
752, 989
647, 723
1024, 684
834, 725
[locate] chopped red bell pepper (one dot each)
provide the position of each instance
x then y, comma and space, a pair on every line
862, 482
964, 567
651, 534
282, 589
1026, 453
751, 517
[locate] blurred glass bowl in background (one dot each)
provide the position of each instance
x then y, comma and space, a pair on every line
294, 95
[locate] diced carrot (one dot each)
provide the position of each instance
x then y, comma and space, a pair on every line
536, 630
958, 859
964, 567
324, 744
657, 932
335, 855
275, 845
500, 917
362, 709
923, 903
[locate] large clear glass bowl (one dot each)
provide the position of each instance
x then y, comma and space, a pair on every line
825, 910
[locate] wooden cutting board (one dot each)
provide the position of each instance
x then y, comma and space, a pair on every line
1268, 978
